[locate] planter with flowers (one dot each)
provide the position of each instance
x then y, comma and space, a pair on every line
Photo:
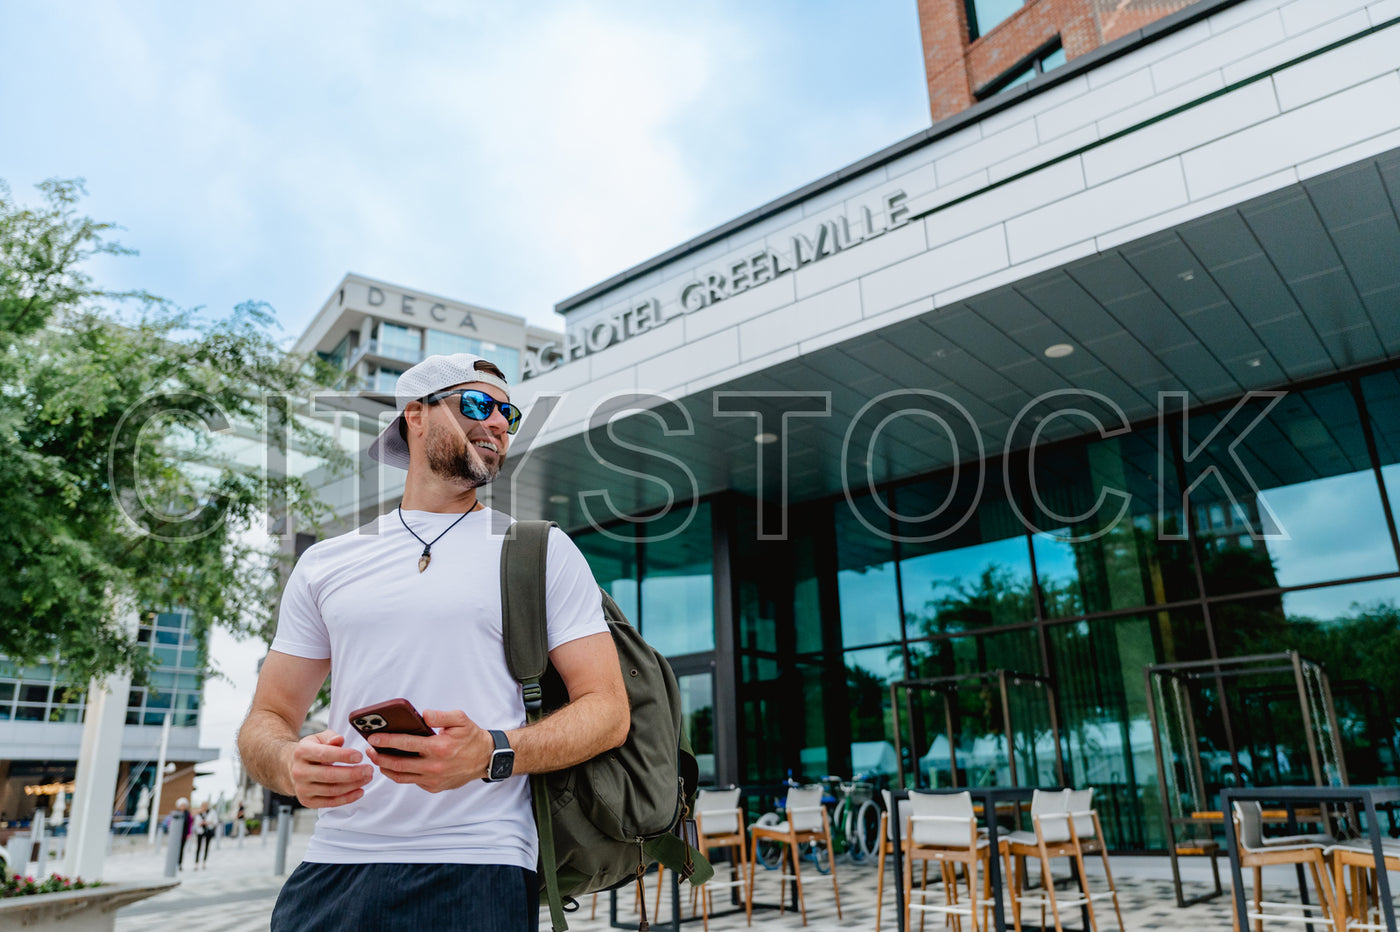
63, 904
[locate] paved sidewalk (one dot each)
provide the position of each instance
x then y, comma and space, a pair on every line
237, 892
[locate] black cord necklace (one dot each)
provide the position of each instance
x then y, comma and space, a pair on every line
427, 556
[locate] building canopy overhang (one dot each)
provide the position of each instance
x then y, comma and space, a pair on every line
1212, 213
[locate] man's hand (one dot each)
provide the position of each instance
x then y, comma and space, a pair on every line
459, 753
320, 775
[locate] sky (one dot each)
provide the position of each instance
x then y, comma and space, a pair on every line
508, 155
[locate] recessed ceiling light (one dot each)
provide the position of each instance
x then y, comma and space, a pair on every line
765, 437
1254, 363
559, 499
1187, 276
1058, 350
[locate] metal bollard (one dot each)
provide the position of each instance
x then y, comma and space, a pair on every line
284, 837
172, 848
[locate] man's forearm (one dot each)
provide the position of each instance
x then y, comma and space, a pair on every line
581, 730
266, 743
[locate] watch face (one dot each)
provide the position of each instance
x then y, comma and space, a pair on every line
502, 764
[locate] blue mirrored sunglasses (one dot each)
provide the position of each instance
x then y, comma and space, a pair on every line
478, 406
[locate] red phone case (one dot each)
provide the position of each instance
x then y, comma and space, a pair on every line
394, 716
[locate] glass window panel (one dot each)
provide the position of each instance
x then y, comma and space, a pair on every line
66, 713
170, 620
1354, 633
507, 358
811, 526
7, 691
760, 580
133, 717
698, 720
1382, 394
991, 13
386, 380
400, 342
614, 566
187, 720
167, 637
155, 718
1298, 500
1103, 700
162, 679
159, 700
677, 592
437, 343
808, 722
869, 674
30, 692
865, 576
29, 713
1053, 59
1102, 544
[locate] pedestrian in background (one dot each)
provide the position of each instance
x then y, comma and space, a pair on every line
182, 822
205, 825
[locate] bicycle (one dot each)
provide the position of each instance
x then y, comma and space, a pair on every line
856, 820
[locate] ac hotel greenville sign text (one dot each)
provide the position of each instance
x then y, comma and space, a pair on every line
760, 267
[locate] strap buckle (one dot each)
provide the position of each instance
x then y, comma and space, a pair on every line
533, 695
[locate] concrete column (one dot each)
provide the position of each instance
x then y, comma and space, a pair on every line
95, 786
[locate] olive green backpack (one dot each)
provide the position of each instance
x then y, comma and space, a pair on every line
602, 822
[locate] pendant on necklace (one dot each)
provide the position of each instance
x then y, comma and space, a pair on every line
424, 560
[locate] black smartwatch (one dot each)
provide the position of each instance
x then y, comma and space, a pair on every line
502, 758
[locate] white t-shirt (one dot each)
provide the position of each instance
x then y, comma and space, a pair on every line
434, 639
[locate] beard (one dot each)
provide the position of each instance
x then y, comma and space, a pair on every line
451, 456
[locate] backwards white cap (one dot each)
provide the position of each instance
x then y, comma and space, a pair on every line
431, 375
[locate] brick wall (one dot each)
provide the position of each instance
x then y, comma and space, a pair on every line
956, 67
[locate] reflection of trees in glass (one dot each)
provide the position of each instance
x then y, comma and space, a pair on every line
868, 695
996, 596
701, 726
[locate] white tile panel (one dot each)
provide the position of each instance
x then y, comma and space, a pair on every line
1060, 146
577, 405
959, 139
741, 307
1148, 191
866, 325
1219, 50
1305, 15
1198, 208
949, 192
1298, 136
866, 257
1015, 273
1087, 108
867, 181
632, 351
962, 260
916, 184
782, 327
1209, 121
988, 151
1057, 181
671, 371
1383, 11
1357, 63
1343, 157
1231, 17
1296, 46
1160, 103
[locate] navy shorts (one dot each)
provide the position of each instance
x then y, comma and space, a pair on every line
411, 897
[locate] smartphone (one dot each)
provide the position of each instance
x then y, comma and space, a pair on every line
396, 716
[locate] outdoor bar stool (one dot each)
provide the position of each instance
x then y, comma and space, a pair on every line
942, 827
806, 821
720, 824
1362, 909
1087, 834
1258, 852
1052, 837
887, 845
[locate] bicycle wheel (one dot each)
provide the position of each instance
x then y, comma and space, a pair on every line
840, 836
769, 853
819, 856
867, 830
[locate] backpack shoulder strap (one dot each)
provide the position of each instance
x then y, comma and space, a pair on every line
525, 625
525, 629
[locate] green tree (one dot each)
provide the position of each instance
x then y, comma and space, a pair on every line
119, 490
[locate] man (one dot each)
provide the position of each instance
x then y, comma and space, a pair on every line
410, 606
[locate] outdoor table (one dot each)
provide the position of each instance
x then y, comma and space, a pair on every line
990, 797
1290, 796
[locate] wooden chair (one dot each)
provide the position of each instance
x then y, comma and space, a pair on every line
1363, 906
1258, 852
887, 845
719, 822
1087, 834
1051, 837
806, 821
942, 828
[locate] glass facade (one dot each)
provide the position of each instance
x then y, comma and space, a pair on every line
1250, 528
40, 694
